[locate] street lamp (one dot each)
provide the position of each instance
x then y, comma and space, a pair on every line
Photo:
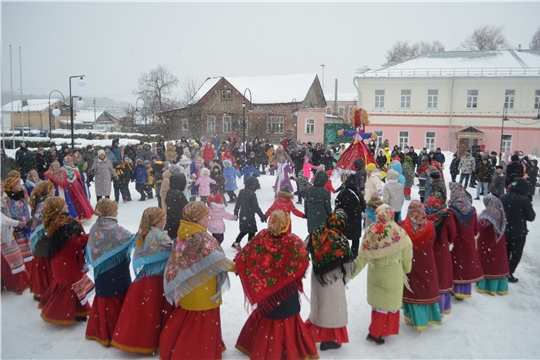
504, 118
137, 109
80, 103
56, 111
244, 115
20, 110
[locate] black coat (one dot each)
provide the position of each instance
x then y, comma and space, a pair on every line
513, 170
176, 201
247, 206
354, 205
328, 161
6, 165
518, 209
317, 206
532, 173
42, 164
361, 174
454, 166
25, 161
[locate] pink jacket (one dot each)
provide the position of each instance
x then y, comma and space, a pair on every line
203, 182
217, 213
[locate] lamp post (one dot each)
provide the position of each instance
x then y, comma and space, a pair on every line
294, 112
504, 118
20, 110
132, 115
80, 103
244, 115
25, 103
137, 109
56, 111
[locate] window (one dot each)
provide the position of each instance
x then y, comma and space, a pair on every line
472, 99
509, 99
506, 143
211, 124
379, 98
185, 125
227, 124
405, 98
310, 126
403, 139
275, 124
341, 111
350, 111
379, 139
432, 99
430, 140
241, 123
537, 99
328, 111
225, 94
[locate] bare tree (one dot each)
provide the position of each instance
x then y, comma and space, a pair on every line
486, 37
189, 89
401, 51
535, 40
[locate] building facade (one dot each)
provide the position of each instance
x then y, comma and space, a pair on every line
34, 114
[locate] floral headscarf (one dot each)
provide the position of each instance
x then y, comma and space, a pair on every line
194, 211
106, 207
69, 168
460, 203
278, 222
150, 217
420, 229
12, 180
436, 211
56, 175
53, 216
331, 256
40, 193
494, 213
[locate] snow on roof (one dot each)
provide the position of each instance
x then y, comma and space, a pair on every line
87, 116
343, 97
464, 63
272, 89
33, 104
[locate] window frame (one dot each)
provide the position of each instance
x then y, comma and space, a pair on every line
472, 99
208, 128
185, 125
536, 99
432, 144
433, 99
403, 141
226, 94
274, 121
341, 111
227, 120
309, 123
380, 136
509, 98
328, 110
405, 102
379, 98
506, 143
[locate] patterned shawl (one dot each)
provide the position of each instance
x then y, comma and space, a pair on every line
70, 174
436, 211
461, 204
331, 256
196, 257
10, 249
420, 229
150, 217
271, 267
494, 213
151, 257
56, 175
40, 193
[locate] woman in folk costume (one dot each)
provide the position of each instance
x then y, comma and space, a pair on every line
421, 298
17, 203
42, 274
283, 174
83, 171
445, 230
333, 263
357, 148
285, 202
57, 176
32, 179
66, 299
14, 275
466, 266
108, 252
492, 248
138, 331
387, 249
271, 267
74, 185
195, 278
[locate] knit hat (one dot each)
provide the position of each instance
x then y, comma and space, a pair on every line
101, 152
286, 192
252, 153
146, 162
106, 207
195, 211
371, 167
216, 199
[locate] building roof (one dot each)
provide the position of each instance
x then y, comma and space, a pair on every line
87, 116
464, 64
343, 97
271, 89
33, 105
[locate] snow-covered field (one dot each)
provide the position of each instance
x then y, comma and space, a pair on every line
481, 327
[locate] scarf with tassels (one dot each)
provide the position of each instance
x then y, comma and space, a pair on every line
461, 204
271, 266
196, 258
151, 257
10, 248
494, 213
150, 217
331, 256
108, 245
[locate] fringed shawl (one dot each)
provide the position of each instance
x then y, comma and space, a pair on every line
37, 231
494, 213
151, 257
196, 257
57, 176
108, 245
461, 204
10, 248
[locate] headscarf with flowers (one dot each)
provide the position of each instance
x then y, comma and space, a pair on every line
436, 211
12, 180
494, 213
154, 247
56, 174
420, 229
271, 267
461, 204
30, 178
54, 218
71, 176
108, 243
37, 199
331, 256
196, 258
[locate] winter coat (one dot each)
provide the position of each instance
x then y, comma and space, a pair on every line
317, 205
42, 164
414, 157
208, 153
230, 174
104, 173
298, 159
513, 170
146, 153
498, 184
176, 201
247, 206
393, 191
352, 202
116, 150
408, 173
454, 167
140, 174
160, 147
283, 174
130, 152
204, 181
6, 166
373, 184
217, 176
170, 153
217, 213
532, 175
166, 184
328, 304
440, 157
484, 171
25, 161
396, 166
467, 164
328, 161
248, 171
285, 204
381, 160
518, 209
361, 174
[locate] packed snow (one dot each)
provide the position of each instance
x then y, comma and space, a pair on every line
484, 326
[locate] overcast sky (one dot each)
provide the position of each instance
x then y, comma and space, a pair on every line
113, 43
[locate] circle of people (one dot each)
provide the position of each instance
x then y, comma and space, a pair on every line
419, 259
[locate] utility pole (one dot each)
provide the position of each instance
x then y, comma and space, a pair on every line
322, 65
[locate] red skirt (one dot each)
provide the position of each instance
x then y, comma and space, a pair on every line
320, 334
103, 318
60, 305
16, 283
42, 276
266, 338
192, 335
384, 323
138, 331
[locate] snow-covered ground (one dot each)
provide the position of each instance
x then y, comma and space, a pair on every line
481, 327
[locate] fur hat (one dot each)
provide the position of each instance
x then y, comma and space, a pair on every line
184, 160
205, 172
286, 192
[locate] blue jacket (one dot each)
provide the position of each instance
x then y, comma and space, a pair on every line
440, 158
230, 173
248, 171
141, 174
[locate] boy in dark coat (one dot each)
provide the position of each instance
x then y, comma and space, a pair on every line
328, 160
498, 181
140, 175
176, 201
454, 167
219, 187
246, 207
354, 205
514, 169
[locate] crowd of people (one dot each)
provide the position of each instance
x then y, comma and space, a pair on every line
420, 257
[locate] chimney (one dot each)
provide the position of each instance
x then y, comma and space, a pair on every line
519, 47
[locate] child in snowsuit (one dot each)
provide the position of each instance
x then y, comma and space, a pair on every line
216, 225
249, 170
246, 207
302, 184
141, 176
230, 174
203, 182
149, 184
284, 202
